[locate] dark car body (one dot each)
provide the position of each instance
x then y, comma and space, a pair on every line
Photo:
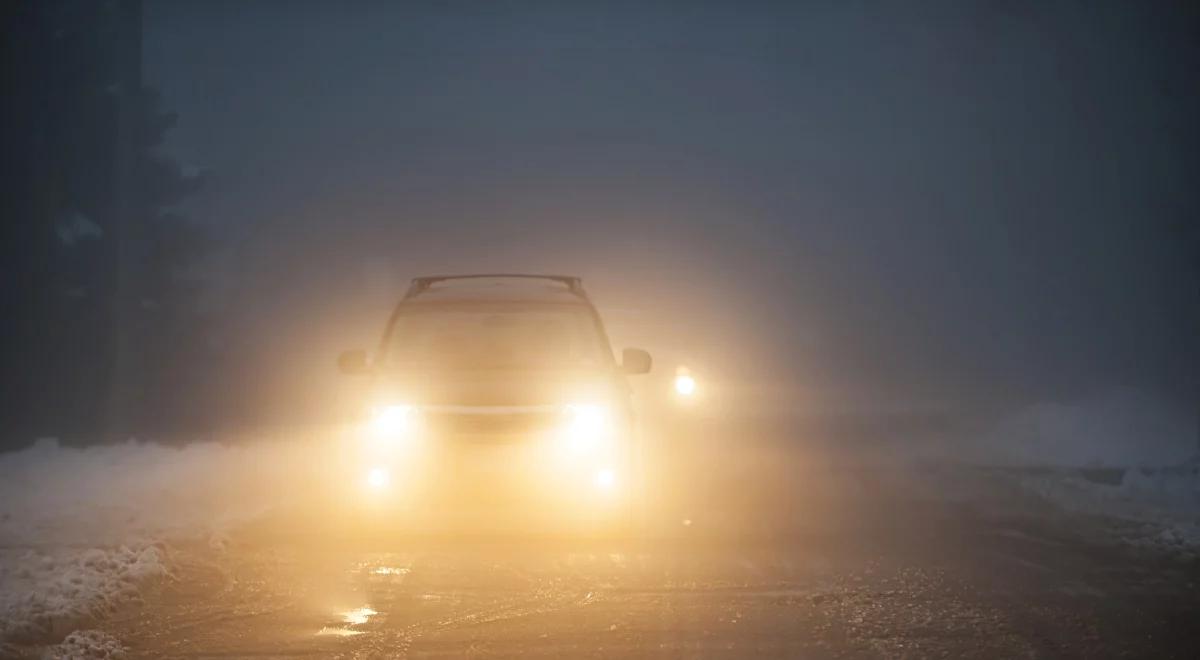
492, 391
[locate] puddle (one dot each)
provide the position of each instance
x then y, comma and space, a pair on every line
355, 617
338, 632
359, 616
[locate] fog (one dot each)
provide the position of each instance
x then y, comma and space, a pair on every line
932, 269
948, 207
963, 210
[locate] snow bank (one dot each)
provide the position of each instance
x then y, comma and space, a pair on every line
1160, 506
1123, 455
86, 645
49, 594
1118, 429
141, 492
84, 531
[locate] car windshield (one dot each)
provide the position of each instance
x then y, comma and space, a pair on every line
495, 337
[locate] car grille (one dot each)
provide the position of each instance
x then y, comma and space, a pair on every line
491, 426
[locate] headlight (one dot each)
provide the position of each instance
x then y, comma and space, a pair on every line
379, 477
586, 426
605, 479
392, 421
685, 384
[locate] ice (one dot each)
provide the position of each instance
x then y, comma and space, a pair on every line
1163, 502
86, 645
1124, 455
85, 531
49, 593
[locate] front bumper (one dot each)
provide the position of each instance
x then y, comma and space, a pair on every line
494, 466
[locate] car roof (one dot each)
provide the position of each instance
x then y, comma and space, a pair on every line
498, 289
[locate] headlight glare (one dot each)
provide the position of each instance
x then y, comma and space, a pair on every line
586, 425
378, 478
605, 479
392, 421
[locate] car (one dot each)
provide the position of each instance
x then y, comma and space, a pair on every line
495, 394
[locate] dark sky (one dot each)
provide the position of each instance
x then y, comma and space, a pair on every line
922, 200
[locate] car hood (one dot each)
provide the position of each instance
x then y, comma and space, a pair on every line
500, 388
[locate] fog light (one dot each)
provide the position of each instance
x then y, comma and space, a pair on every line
587, 425
685, 385
392, 421
605, 479
379, 478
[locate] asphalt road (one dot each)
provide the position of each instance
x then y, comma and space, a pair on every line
802, 561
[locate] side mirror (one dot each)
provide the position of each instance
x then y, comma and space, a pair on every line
635, 361
353, 362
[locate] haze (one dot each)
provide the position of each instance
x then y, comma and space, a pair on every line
904, 300
934, 204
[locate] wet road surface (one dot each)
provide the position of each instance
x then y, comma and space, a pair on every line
877, 568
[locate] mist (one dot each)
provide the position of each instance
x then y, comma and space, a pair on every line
913, 293
954, 206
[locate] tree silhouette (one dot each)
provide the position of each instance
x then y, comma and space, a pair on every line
96, 312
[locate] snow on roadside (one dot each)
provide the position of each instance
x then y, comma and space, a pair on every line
1121, 454
86, 645
1120, 428
1160, 506
136, 491
48, 594
84, 531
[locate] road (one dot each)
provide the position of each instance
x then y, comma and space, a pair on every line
800, 562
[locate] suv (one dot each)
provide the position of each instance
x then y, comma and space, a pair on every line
500, 391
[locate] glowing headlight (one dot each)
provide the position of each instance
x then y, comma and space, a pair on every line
586, 425
605, 479
378, 478
392, 421
685, 384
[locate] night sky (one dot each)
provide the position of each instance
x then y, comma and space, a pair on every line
913, 202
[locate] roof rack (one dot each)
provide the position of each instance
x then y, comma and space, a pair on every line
421, 284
